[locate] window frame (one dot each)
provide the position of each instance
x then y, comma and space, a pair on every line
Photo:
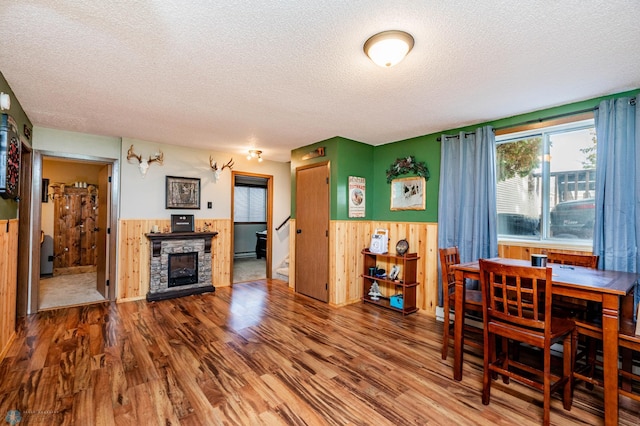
545, 130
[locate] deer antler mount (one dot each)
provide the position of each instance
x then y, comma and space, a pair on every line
217, 171
143, 164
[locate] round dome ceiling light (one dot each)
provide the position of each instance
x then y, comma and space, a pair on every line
388, 47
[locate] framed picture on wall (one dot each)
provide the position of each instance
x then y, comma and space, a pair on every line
182, 193
408, 193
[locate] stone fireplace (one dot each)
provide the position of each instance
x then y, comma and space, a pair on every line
180, 264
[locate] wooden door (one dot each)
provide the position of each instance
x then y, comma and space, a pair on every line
312, 231
102, 221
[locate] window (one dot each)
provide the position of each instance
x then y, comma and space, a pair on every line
546, 183
250, 204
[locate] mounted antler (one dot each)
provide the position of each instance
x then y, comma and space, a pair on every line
230, 165
216, 170
143, 164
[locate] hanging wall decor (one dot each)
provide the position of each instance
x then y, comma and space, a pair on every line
9, 157
407, 165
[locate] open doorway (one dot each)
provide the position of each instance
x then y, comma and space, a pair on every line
74, 222
252, 200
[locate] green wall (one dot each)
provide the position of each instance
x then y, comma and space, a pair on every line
9, 208
346, 158
351, 158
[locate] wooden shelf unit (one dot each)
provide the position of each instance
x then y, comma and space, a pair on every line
406, 285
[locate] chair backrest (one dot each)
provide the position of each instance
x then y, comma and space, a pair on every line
586, 260
519, 295
448, 256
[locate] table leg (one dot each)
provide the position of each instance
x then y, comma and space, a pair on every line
610, 313
458, 325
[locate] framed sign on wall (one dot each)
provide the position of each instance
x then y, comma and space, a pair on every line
9, 157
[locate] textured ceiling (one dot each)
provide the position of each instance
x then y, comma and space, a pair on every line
277, 75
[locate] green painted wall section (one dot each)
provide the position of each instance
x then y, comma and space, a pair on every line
9, 208
355, 159
352, 158
423, 148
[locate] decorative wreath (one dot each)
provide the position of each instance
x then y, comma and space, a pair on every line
403, 166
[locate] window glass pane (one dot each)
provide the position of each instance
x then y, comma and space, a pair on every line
519, 189
250, 204
241, 204
257, 211
572, 189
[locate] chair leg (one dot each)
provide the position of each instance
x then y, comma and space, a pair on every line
547, 386
627, 365
567, 373
592, 348
489, 353
446, 327
505, 357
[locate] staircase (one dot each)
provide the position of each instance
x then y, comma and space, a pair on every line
282, 271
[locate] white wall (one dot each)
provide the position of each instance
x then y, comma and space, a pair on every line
65, 142
144, 197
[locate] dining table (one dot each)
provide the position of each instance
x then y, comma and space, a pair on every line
601, 286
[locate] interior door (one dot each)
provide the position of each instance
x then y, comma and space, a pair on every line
312, 231
103, 220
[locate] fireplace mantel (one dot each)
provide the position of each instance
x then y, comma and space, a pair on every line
157, 239
165, 244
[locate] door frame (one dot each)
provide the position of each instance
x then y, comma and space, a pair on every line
36, 218
269, 179
24, 215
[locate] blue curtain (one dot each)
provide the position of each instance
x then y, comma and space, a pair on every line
467, 212
617, 221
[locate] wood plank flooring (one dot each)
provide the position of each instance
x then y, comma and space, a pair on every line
256, 354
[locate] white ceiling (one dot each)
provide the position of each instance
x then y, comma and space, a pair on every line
277, 75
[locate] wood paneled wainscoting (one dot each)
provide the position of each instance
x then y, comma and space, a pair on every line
8, 281
524, 250
346, 241
133, 254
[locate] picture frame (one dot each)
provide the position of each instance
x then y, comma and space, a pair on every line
408, 193
182, 193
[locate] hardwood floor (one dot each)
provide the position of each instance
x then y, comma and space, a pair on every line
256, 354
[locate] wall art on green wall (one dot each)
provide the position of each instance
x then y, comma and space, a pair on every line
357, 190
408, 193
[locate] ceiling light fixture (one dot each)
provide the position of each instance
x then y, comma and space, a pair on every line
5, 101
388, 47
254, 153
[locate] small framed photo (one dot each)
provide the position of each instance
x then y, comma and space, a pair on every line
182, 193
408, 193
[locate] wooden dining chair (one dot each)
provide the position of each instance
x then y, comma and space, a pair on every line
587, 316
629, 342
586, 260
473, 302
517, 307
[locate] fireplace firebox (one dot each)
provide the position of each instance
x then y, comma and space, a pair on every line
183, 269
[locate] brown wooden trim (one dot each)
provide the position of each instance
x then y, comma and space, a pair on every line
545, 123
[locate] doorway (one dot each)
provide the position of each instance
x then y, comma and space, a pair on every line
252, 200
74, 223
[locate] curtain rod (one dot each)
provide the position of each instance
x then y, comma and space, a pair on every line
632, 102
551, 117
